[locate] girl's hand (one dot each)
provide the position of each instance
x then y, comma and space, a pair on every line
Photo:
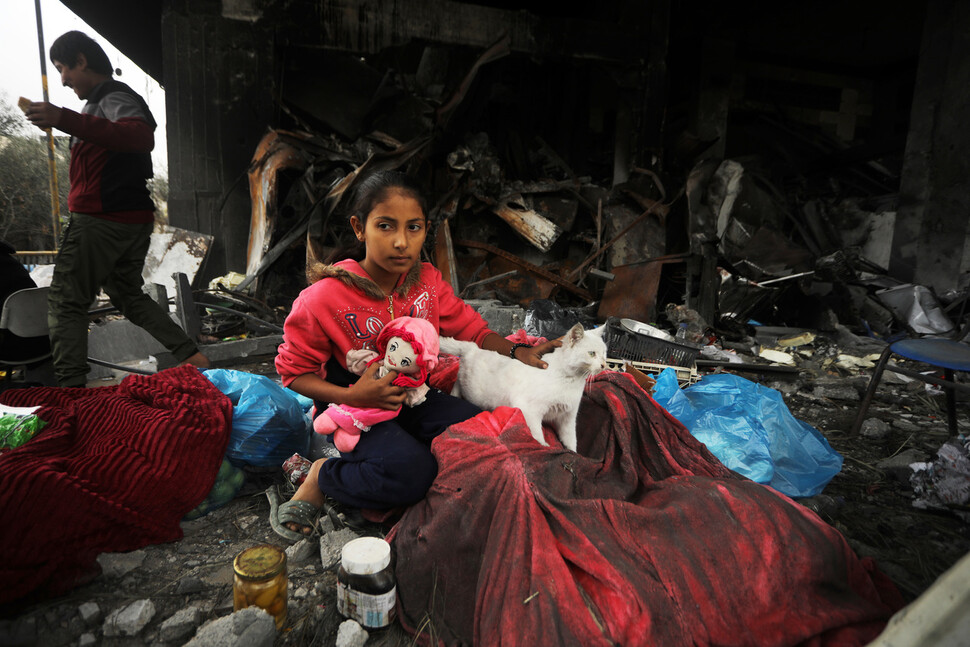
533, 356
371, 391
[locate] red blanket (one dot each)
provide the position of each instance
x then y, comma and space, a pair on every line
641, 538
116, 468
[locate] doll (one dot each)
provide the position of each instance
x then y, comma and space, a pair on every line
407, 345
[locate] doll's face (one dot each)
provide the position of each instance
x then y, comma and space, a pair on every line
400, 356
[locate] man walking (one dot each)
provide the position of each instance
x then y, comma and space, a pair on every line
112, 214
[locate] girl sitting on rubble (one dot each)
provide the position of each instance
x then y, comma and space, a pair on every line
344, 309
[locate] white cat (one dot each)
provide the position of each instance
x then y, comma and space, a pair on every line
489, 380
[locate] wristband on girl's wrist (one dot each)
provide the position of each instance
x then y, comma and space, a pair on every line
516, 347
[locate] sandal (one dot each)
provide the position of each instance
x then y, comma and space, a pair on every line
303, 513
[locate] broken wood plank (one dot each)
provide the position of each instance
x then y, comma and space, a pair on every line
528, 223
444, 255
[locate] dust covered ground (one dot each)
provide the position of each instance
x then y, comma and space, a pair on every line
872, 505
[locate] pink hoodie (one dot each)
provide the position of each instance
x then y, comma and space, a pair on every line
347, 311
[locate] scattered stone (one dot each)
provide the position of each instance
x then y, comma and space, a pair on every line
890, 377
351, 634
218, 577
905, 425
899, 465
87, 640
74, 626
189, 584
835, 392
249, 627
299, 594
181, 625
247, 521
120, 564
332, 543
130, 620
326, 525
859, 382
301, 551
875, 429
90, 613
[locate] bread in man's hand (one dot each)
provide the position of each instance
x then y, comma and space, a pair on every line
24, 103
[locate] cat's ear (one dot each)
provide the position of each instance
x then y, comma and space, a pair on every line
573, 335
597, 331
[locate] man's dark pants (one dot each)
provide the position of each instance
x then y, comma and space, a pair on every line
96, 253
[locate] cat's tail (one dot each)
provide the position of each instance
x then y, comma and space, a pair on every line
450, 346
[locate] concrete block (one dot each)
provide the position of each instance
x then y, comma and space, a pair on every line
501, 318
130, 620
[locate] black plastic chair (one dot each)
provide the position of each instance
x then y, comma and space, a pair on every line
951, 354
24, 315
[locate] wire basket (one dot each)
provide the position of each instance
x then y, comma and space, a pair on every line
624, 344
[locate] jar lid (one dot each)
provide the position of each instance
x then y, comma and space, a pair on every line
259, 562
365, 555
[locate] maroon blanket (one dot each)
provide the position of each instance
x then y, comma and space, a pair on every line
116, 468
642, 538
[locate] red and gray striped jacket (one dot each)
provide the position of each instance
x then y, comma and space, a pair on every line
111, 143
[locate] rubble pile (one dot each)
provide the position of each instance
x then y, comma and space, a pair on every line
771, 272
522, 210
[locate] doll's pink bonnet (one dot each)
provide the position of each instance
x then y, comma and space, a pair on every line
422, 336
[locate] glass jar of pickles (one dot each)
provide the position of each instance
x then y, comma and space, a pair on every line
259, 579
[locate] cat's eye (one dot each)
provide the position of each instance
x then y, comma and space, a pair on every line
592, 353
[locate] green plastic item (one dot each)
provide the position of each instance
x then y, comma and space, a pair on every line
228, 482
16, 429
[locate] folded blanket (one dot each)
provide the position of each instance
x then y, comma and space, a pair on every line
640, 538
116, 468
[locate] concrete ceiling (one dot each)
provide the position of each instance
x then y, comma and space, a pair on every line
133, 27
828, 33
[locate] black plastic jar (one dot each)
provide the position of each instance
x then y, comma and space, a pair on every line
366, 589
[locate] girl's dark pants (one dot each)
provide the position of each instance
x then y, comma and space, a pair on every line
392, 464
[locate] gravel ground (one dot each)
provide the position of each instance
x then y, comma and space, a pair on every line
869, 502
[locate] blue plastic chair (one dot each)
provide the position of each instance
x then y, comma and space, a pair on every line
952, 355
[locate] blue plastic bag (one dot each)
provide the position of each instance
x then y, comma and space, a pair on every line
269, 422
749, 428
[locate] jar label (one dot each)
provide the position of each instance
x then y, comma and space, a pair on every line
372, 611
